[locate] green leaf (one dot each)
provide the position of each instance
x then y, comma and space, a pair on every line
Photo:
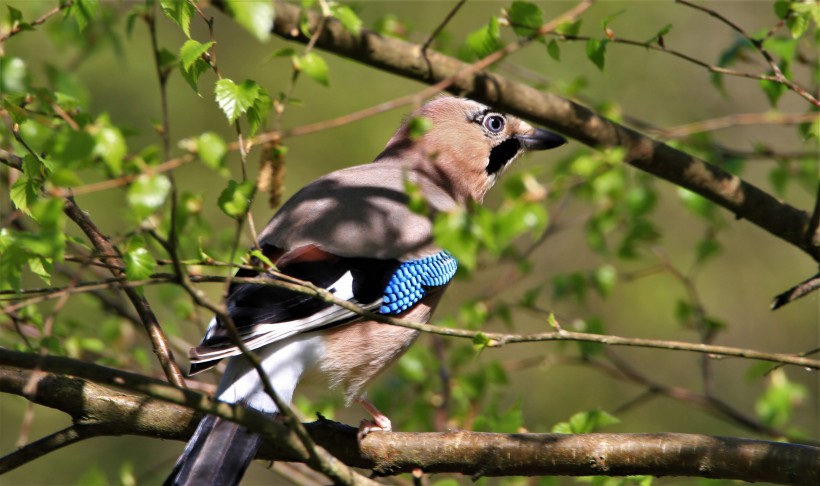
811, 8
233, 99
776, 406
42, 267
781, 8
418, 126
569, 28
258, 112
181, 12
707, 248
314, 66
596, 51
658, 37
191, 76
697, 204
14, 76
415, 198
593, 325
235, 199
83, 12
485, 40
26, 189
139, 263
110, 145
609, 18
525, 18
554, 50
147, 193
192, 51
347, 17
256, 16
262, 258
14, 14
166, 59
212, 150
481, 341
585, 422
604, 279
798, 24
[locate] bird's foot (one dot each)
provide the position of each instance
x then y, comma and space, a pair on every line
380, 421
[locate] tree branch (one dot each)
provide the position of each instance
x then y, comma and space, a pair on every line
406, 59
94, 396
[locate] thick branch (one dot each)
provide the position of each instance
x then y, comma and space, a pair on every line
406, 59
112, 411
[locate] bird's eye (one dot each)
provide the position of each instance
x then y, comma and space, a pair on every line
494, 123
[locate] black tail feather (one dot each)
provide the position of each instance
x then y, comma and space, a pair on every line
218, 454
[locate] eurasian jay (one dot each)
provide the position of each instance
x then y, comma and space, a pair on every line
352, 233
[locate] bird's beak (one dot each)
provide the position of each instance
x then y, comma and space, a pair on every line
540, 139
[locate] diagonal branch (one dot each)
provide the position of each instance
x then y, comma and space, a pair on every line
117, 402
406, 59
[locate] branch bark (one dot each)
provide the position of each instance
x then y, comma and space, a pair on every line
408, 60
100, 398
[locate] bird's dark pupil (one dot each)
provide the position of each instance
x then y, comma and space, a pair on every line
495, 123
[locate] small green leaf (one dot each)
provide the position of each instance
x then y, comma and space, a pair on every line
233, 99
415, 198
776, 406
24, 193
191, 76
347, 17
596, 51
262, 258
554, 50
604, 279
192, 51
166, 59
485, 40
147, 193
283, 52
42, 267
181, 12
585, 422
697, 204
525, 18
109, 145
481, 341
258, 112
83, 12
658, 37
609, 18
418, 126
14, 76
314, 66
781, 8
212, 150
569, 28
256, 16
798, 24
593, 325
14, 14
235, 199
139, 263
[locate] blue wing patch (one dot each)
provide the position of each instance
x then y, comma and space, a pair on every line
412, 279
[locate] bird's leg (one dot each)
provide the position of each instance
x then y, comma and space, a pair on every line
379, 422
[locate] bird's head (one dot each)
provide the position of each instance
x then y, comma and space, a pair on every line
467, 145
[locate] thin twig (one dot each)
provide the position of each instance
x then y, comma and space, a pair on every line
443, 24
16, 29
736, 120
758, 44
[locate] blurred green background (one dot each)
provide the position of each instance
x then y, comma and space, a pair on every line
736, 287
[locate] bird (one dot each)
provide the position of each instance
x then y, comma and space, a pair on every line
352, 233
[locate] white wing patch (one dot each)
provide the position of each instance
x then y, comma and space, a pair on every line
263, 333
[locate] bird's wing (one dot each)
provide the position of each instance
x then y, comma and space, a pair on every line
264, 314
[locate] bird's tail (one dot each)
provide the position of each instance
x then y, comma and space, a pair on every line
218, 453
